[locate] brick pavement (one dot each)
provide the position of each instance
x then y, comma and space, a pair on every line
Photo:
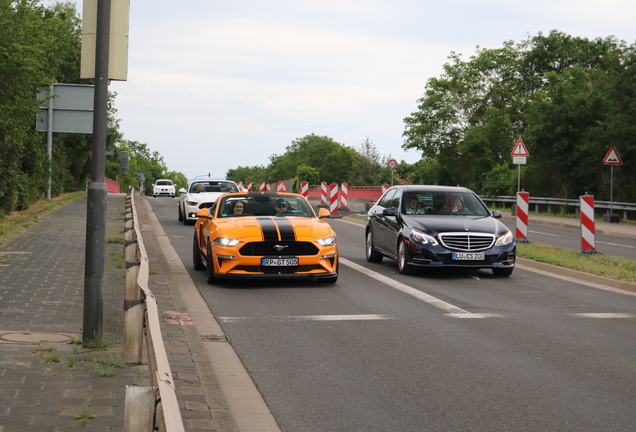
49, 384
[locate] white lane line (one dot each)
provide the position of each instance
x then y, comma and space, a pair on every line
542, 233
616, 244
603, 315
368, 317
451, 310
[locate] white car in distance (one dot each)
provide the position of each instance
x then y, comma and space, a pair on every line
163, 187
201, 193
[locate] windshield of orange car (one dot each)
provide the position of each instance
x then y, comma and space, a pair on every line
264, 205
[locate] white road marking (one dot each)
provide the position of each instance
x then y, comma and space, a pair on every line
616, 244
451, 310
542, 233
603, 315
362, 317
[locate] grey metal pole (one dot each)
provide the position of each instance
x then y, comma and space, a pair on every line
49, 141
96, 206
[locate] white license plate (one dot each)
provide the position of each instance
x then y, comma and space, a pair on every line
467, 256
279, 262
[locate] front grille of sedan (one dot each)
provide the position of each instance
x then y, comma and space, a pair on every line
267, 248
467, 242
206, 205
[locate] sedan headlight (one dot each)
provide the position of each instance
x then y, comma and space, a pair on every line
191, 203
421, 237
505, 239
224, 241
329, 241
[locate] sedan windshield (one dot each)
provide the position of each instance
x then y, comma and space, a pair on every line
443, 203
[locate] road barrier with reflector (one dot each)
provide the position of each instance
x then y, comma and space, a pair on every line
523, 199
588, 236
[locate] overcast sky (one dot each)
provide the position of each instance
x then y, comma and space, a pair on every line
217, 84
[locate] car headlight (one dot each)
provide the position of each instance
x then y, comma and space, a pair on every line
329, 241
420, 237
505, 239
191, 203
224, 241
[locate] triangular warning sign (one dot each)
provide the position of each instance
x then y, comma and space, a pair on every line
612, 157
520, 149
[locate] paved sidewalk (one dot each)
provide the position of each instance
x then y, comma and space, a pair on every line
50, 383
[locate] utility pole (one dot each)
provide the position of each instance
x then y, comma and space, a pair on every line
96, 206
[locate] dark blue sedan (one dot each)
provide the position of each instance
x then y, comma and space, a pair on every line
438, 226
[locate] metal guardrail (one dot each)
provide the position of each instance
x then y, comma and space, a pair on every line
147, 408
547, 204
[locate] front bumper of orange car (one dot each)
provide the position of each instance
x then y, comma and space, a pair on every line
229, 263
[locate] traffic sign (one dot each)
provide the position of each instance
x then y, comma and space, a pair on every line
392, 164
612, 157
520, 149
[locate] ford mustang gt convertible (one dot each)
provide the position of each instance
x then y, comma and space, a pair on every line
438, 226
264, 235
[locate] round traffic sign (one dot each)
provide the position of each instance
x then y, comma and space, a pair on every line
392, 164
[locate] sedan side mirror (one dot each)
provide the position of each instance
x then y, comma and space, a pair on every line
323, 212
182, 191
496, 214
391, 211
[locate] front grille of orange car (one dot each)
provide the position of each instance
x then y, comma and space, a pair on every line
278, 248
277, 270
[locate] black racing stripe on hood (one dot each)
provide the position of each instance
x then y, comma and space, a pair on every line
268, 226
286, 229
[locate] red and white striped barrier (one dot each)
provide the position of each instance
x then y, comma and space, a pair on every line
262, 186
249, 186
333, 199
280, 186
323, 195
385, 188
588, 236
523, 200
304, 189
268, 187
344, 196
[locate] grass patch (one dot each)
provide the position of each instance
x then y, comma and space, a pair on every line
115, 240
601, 265
16, 222
84, 416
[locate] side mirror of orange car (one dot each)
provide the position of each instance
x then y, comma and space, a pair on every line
323, 212
204, 213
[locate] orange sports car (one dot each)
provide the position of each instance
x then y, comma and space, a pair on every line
264, 235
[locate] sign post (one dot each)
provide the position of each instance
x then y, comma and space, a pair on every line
519, 155
392, 164
612, 158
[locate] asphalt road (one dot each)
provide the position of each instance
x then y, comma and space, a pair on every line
441, 351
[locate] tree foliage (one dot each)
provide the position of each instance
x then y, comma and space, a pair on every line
568, 98
40, 46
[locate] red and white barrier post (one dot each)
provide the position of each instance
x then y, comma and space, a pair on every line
323, 195
249, 186
268, 187
280, 186
344, 196
523, 200
385, 188
588, 236
262, 186
333, 199
304, 189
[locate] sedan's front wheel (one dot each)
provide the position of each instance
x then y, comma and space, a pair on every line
373, 256
403, 265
